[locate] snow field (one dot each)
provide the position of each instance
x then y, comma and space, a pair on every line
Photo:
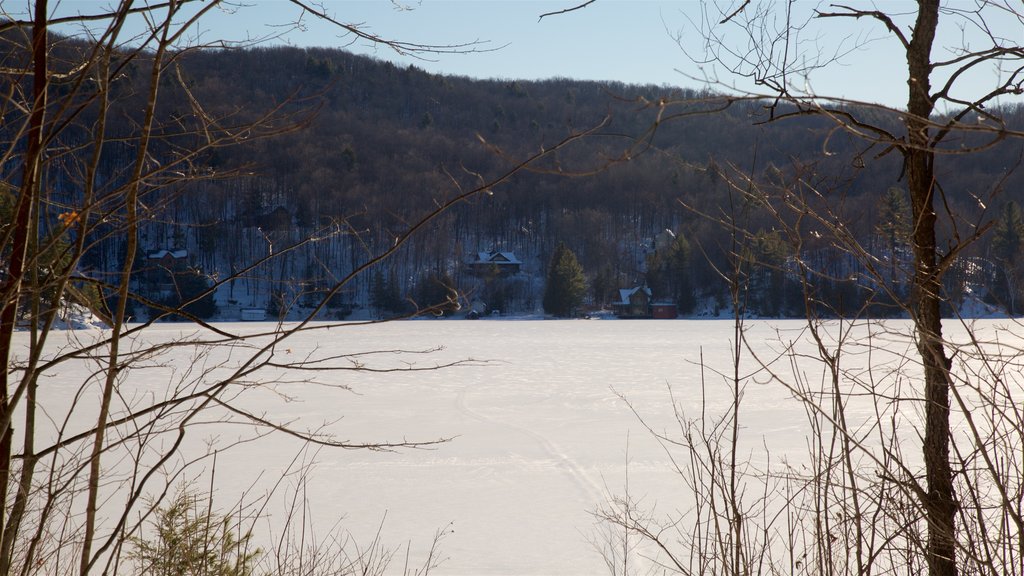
539, 433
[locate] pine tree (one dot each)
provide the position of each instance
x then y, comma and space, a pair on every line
436, 293
679, 274
189, 539
1008, 235
603, 285
1007, 242
894, 225
668, 274
566, 284
385, 295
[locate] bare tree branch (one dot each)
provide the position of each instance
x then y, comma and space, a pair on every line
567, 10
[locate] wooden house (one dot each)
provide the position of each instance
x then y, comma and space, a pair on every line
633, 303
664, 310
505, 263
162, 265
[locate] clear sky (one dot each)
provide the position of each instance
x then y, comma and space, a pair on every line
634, 41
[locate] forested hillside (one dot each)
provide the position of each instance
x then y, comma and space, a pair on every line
380, 147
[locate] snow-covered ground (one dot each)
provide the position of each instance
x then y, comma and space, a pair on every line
540, 434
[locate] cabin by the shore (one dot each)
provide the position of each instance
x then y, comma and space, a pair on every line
637, 303
633, 303
664, 310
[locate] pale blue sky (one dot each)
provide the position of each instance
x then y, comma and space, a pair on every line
630, 41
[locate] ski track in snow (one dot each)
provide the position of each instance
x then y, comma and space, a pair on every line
590, 490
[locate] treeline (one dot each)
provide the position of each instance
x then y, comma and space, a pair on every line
382, 146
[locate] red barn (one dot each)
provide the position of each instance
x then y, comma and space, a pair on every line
664, 310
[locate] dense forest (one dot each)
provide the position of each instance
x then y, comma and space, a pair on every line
663, 192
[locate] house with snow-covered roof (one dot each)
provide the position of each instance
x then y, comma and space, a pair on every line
162, 265
633, 303
173, 260
505, 262
168, 256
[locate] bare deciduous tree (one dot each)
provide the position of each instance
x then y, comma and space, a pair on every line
943, 519
81, 476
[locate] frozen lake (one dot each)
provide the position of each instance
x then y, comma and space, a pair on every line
539, 433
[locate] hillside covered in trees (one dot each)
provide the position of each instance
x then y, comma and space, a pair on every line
658, 194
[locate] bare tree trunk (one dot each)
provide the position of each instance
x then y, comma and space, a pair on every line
114, 366
940, 501
22, 224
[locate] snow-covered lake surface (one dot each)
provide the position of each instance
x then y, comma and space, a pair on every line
540, 433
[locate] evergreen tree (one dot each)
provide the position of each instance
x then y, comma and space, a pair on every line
52, 261
384, 295
566, 285
771, 293
679, 265
190, 285
603, 286
187, 288
496, 293
436, 292
1008, 235
378, 290
189, 539
668, 274
894, 224
1007, 242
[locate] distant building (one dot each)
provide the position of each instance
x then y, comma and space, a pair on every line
168, 258
664, 240
633, 303
664, 310
505, 262
253, 314
161, 266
